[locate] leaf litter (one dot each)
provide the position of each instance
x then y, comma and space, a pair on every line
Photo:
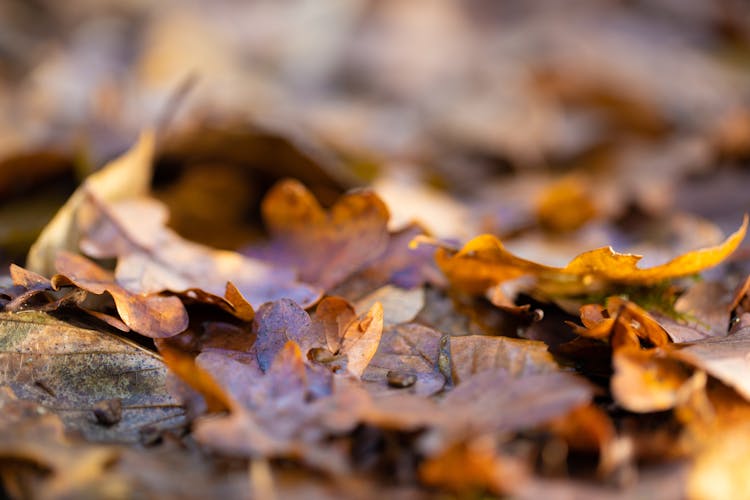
262, 304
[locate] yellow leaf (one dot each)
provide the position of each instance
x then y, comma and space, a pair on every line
484, 262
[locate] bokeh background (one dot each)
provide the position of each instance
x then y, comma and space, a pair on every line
557, 125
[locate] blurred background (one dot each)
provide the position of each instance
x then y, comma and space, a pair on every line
559, 126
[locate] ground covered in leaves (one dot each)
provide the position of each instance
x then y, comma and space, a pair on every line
358, 249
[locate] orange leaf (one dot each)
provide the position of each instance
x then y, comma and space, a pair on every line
484, 262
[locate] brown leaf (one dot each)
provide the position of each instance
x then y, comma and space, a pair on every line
399, 265
277, 323
476, 465
407, 349
625, 324
332, 316
496, 401
150, 315
153, 258
126, 177
518, 357
324, 246
722, 357
71, 369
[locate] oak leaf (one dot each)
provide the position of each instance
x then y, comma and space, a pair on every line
148, 314
324, 246
485, 262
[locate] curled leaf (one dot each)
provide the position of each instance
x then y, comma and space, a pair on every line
150, 315
484, 262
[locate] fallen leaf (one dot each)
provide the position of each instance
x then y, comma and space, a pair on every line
625, 324
70, 369
361, 340
324, 246
484, 262
277, 323
399, 265
407, 350
399, 305
496, 401
649, 380
475, 354
126, 177
722, 357
332, 316
152, 258
150, 315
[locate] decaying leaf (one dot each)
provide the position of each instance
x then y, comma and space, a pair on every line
725, 358
524, 402
69, 369
278, 323
484, 262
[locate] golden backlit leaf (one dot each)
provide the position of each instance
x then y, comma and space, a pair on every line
484, 262
361, 340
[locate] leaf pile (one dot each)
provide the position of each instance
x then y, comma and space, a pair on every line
267, 370
422, 249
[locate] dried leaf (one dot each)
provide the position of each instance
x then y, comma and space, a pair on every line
277, 323
625, 324
361, 340
332, 316
153, 258
399, 305
649, 381
150, 315
126, 177
725, 358
325, 247
71, 369
484, 262
518, 357
407, 349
